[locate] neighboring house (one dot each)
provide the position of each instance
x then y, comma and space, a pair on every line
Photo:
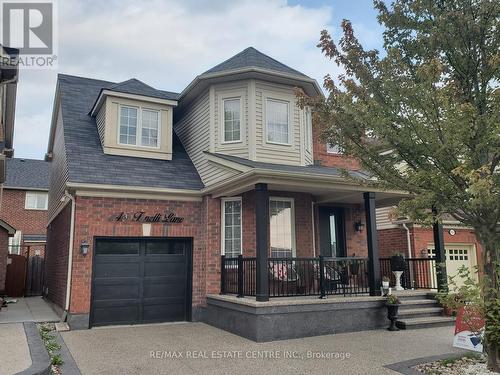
462, 248
8, 89
149, 188
25, 203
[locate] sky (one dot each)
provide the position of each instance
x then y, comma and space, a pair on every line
167, 43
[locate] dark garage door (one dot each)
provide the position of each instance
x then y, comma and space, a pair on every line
140, 281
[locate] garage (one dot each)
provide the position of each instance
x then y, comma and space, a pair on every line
457, 256
137, 281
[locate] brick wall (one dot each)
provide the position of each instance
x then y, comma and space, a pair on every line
322, 157
392, 241
4, 252
56, 259
93, 219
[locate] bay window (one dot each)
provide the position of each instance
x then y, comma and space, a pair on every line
277, 121
282, 230
232, 120
231, 227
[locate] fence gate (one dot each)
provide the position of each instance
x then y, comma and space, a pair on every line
34, 277
16, 275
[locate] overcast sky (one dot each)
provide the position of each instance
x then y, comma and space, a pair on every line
166, 43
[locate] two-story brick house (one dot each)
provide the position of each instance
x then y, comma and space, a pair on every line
153, 194
24, 205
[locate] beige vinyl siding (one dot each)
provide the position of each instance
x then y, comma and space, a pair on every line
101, 122
273, 153
193, 129
58, 171
383, 219
226, 91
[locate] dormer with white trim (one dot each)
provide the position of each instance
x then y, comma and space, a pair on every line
134, 119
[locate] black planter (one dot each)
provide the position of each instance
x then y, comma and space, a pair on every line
398, 263
392, 315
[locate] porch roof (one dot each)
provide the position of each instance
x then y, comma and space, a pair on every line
328, 185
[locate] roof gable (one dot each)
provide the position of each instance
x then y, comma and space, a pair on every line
134, 86
250, 57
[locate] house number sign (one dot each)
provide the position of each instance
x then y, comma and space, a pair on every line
141, 217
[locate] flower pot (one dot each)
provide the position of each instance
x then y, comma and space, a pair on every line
398, 263
392, 315
385, 284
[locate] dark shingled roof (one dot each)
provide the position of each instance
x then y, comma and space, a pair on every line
87, 163
316, 169
250, 57
134, 86
27, 174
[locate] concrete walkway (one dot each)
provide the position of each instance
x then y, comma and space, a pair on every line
14, 350
29, 309
196, 348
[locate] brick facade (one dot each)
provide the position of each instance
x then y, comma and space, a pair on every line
29, 222
323, 158
56, 260
4, 252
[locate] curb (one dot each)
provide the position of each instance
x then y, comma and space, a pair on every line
406, 367
69, 367
40, 361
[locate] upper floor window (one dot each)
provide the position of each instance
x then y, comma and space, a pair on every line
232, 120
139, 127
277, 120
332, 149
36, 200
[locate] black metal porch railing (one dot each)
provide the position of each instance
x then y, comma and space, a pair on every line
420, 273
290, 277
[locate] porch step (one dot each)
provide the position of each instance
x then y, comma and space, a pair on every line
427, 322
420, 312
409, 295
417, 303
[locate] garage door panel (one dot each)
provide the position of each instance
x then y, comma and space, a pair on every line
117, 269
143, 281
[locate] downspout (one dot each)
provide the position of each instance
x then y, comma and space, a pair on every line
408, 241
70, 254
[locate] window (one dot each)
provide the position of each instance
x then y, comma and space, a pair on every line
308, 129
232, 120
139, 127
332, 149
277, 121
36, 200
15, 243
231, 227
282, 230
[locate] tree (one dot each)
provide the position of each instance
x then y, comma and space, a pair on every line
423, 116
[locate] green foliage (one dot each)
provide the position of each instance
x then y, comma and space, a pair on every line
50, 344
392, 299
386, 279
57, 360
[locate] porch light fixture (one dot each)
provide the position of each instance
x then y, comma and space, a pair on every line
84, 247
358, 226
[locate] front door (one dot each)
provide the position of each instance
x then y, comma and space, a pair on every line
332, 232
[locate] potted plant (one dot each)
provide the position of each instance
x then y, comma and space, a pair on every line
398, 266
392, 304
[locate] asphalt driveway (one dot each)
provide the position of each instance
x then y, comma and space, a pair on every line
196, 348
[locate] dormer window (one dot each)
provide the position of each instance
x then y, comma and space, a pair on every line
232, 120
139, 126
277, 118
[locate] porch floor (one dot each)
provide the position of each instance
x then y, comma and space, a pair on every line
306, 300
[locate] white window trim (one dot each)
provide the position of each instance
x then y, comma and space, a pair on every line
277, 98
223, 223
308, 130
292, 219
223, 122
35, 208
138, 133
332, 152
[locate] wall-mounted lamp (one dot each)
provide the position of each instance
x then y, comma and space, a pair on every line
84, 247
358, 226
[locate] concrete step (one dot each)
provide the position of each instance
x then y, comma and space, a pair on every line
417, 303
420, 312
409, 295
428, 322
